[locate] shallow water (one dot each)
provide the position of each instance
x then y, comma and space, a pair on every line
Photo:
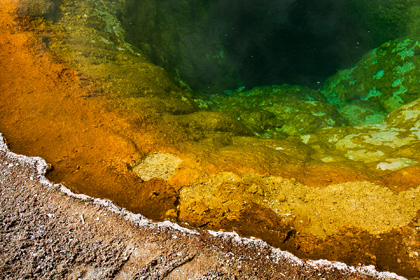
285, 120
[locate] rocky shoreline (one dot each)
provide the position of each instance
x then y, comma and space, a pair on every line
48, 232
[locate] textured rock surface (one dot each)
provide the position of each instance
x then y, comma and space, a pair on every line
277, 111
38, 8
385, 147
383, 80
314, 211
157, 165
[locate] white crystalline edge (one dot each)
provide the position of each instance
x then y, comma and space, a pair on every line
278, 255
367, 270
275, 254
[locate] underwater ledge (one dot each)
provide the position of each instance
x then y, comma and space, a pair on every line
113, 139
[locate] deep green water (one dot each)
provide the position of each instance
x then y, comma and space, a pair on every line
219, 45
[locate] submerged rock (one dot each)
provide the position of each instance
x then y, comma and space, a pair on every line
386, 147
37, 8
279, 111
157, 165
383, 80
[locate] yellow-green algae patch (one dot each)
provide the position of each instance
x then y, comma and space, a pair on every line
157, 165
310, 210
397, 136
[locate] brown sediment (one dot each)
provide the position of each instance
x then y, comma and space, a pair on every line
93, 130
403, 179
